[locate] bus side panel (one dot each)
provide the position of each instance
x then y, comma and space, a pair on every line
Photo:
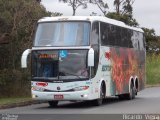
106, 70
142, 72
127, 63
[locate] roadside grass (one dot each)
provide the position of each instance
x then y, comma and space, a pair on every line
153, 69
8, 101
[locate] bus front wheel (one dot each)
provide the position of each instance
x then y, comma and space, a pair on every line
99, 101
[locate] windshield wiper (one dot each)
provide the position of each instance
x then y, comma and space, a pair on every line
64, 74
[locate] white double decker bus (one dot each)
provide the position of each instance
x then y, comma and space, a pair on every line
85, 58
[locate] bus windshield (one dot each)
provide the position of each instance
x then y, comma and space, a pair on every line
62, 34
59, 64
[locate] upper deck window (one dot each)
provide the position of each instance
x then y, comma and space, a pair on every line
62, 34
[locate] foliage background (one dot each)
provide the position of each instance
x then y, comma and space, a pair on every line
18, 20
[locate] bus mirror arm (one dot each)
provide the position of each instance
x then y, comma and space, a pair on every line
91, 57
24, 58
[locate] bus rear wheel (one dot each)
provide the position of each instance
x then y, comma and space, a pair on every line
53, 103
132, 93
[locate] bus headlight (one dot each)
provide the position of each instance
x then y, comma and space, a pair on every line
81, 88
35, 88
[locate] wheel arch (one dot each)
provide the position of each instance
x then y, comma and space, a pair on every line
103, 83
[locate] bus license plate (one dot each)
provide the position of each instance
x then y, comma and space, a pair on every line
58, 97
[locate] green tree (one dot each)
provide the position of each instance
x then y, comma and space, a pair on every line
103, 6
127, 7
151, 38
126, 18
123, 12
123, 6
18, 20
38, 1
75, 4
117, 4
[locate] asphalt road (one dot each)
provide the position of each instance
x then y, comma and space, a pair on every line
146, 102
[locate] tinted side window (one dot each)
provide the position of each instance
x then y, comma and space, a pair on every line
118, 36
124, 37
109, 34
130, 34
141, 41
104, 33
135, 40
112, 35
95, 33
95, 46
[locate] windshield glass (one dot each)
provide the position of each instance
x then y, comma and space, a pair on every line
73, 65
62, 34
59, 64
45, 64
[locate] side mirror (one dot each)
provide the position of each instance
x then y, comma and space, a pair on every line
91, 57
24, 58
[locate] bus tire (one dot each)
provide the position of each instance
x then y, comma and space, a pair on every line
132, 93
136, 91
136, 87
99, 101
53, 103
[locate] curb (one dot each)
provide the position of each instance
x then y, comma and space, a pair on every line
21, 104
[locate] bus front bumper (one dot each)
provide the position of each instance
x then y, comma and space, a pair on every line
61, 96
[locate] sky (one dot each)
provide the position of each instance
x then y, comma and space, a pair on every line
146, 12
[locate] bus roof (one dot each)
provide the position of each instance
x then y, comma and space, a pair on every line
89, 18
